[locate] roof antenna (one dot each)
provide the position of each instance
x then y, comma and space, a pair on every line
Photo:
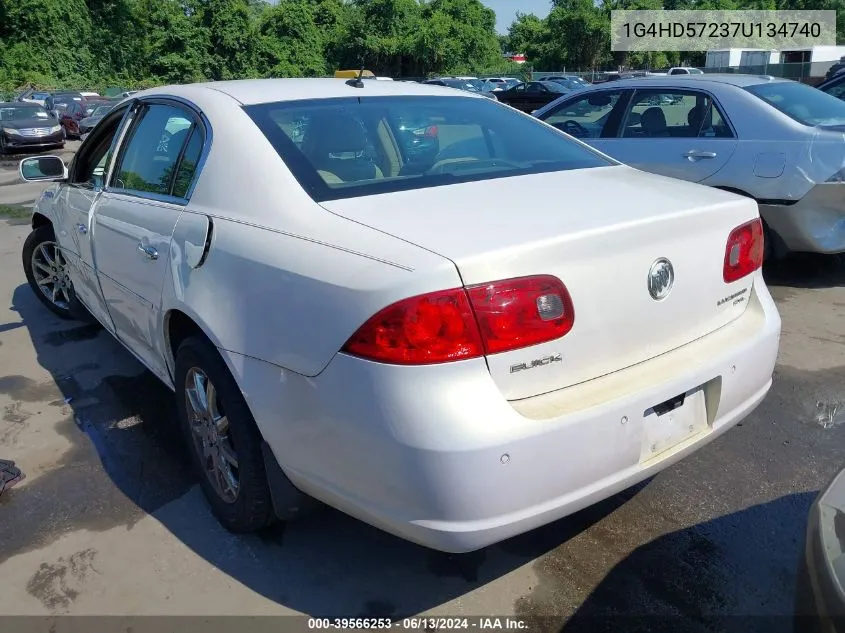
357, 82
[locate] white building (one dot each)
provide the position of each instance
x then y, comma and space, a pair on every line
732, 57
819, 57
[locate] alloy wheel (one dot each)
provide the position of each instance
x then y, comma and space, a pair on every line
211, 435
50, 270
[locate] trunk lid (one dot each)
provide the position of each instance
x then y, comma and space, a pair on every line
599, 231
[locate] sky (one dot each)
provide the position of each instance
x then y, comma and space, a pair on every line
506, 10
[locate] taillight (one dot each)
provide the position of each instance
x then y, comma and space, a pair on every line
521, 312
432, 328
466, 323
744, 251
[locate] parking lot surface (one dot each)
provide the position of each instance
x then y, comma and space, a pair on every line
109, 519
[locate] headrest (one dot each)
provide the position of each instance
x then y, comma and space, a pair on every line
653, 119
333, 133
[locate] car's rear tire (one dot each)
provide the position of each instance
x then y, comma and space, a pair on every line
2, 146
47, 272
222, 438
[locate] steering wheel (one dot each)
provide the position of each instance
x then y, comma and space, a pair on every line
573, 128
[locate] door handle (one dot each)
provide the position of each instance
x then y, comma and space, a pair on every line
82, 228
149, 251
694, 153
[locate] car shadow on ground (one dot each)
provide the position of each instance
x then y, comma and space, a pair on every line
734, 574
128, 460
806, 270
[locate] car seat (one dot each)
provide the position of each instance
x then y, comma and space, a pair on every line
335, 143
653, 122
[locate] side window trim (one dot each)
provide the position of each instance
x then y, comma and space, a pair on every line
89, 143
129, 118
613, 129
138, 110
198, 121
714, 103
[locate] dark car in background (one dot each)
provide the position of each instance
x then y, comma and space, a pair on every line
834, 86
92, 103
98, 111
532, 95
70, 114
419, 143
63, 96
26, 125
837, 68
470, 85
570, 82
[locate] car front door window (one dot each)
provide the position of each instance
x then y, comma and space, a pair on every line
587, 116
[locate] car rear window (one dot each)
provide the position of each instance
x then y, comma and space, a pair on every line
351, 147
801, 102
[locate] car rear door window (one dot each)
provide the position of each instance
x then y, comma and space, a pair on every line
151, 153
674, 114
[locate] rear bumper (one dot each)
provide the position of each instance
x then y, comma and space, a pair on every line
818, 576
814, 224
437, 456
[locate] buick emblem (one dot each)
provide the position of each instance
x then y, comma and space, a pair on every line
661, 278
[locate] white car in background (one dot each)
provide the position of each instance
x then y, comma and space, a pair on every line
684, 70
501, 83
305, 263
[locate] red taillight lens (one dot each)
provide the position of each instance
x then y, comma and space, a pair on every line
744, 251
521, 312
459, 324
433, 328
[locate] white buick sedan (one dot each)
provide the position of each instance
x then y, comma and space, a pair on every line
319, 272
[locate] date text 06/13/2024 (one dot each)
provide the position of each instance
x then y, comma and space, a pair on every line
419, 623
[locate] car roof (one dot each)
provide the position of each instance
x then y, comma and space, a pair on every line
740, 81
257, 91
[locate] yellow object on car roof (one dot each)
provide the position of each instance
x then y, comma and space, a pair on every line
352, 74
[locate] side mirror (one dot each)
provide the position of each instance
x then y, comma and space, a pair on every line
43, 168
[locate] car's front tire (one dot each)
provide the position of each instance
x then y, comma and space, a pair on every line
222, 438
48, 275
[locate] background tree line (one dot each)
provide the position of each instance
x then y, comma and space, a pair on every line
136, 43
576, 33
